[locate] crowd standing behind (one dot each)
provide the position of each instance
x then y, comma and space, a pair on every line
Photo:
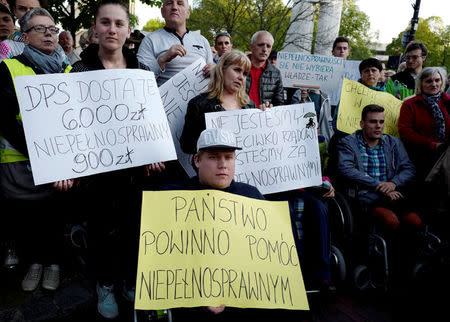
383, 169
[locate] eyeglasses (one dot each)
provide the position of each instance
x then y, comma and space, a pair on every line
413, 57
43, 29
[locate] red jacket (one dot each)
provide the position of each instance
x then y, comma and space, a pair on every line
416, 125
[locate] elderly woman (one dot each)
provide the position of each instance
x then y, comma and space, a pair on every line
424, 122
226, 92
35, 213
14, 45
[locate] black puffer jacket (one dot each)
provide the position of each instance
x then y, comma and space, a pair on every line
194, 121
270, 85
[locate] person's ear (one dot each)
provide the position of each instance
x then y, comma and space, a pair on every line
196, 160
361, 123
25, 38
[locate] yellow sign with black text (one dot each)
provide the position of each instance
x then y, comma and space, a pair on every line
209, 248
355, 96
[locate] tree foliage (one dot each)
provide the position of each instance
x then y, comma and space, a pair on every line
152, 3
355, 25
74, 15
154, 24
241, 19
434, 35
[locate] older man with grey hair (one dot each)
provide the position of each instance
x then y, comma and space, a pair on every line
264, 85
66, 42
171, 49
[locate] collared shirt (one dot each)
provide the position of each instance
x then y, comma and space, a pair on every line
255, 73
373, 159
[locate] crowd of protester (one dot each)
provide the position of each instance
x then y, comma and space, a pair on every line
387, 175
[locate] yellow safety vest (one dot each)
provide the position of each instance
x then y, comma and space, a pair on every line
7, 152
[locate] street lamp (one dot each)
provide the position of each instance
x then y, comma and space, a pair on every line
409, 35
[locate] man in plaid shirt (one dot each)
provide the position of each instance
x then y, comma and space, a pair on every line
378, 170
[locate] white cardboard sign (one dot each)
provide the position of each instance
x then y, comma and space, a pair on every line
80, 124
176, 94
280, 149
351, 71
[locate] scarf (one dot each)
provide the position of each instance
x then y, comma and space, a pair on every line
436, 113
380, 87
49, 64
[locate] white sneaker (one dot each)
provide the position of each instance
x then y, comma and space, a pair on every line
11, 259
51, 278
31, 280
107, 305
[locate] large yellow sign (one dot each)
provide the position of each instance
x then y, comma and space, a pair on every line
355, 96
208, 248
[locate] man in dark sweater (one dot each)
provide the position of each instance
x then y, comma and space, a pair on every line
403, 84
215, 160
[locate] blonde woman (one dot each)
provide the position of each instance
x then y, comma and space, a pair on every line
226, 92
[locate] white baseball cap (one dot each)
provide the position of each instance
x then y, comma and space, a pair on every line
217, 139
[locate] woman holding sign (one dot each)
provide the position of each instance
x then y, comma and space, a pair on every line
226, 92
36, 210
114, 197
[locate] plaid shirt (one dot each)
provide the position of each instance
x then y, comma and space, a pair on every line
373, 159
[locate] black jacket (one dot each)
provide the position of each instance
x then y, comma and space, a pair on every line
90, 60
237, 188
270, 85
194, 121
405, 78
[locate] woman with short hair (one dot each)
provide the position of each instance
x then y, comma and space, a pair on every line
424, 122
36, 215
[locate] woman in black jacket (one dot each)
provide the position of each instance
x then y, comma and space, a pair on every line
113, 197
226, 92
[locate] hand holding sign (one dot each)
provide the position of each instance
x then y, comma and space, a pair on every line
85, 123
212, 248
280, 149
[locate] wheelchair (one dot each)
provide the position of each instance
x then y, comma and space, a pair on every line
340, 222
372, 254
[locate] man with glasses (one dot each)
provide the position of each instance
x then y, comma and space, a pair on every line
402, 84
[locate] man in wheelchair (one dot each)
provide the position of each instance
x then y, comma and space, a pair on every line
378, 165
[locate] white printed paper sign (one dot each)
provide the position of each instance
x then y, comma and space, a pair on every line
280, 148
176, 94
312, 71
81, 124
351, 71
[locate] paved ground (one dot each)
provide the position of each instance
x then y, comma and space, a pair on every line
75, 300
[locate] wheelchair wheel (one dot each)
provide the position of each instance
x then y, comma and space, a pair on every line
361, 277
338, 266
422, 271
341, 218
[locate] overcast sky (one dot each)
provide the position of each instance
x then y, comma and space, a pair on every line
389, 17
